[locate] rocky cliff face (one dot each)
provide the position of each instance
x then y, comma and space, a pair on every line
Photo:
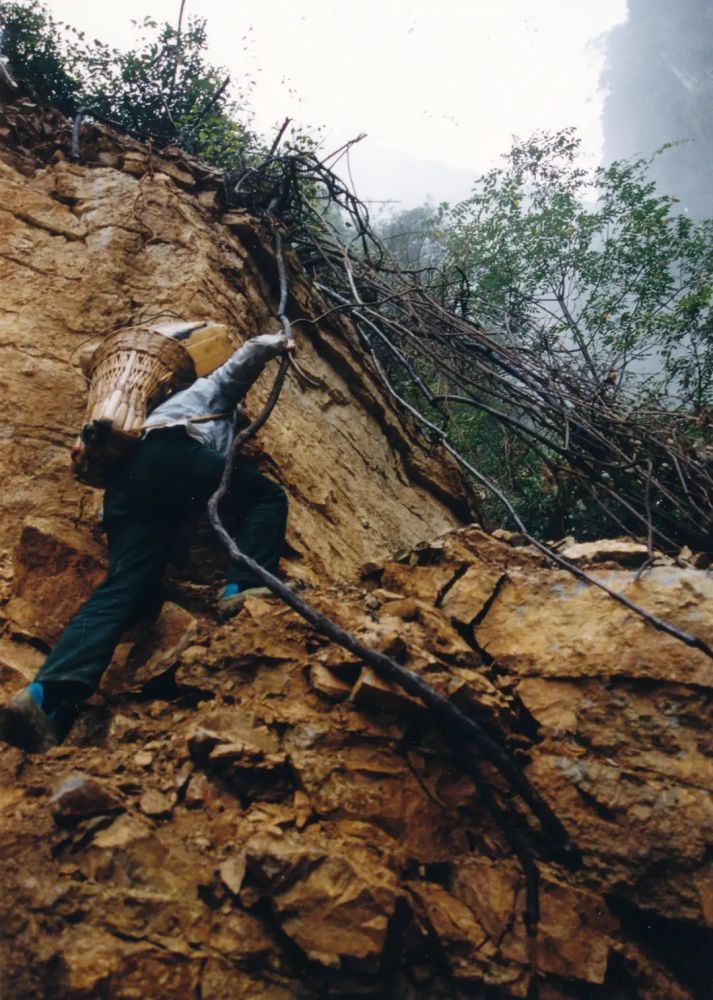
128, 236
247, 811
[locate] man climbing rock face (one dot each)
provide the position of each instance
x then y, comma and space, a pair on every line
165, 482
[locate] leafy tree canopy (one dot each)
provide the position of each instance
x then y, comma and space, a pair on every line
598, 279
595, 269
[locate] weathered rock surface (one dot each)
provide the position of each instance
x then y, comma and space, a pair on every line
79, 797
247, 811
126, 236
280, 839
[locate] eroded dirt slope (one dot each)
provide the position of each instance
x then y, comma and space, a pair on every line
126, 237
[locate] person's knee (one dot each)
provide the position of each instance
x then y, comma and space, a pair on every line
278, 498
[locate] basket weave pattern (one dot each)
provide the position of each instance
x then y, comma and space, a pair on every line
132, 372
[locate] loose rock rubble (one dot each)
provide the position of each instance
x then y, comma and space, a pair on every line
264, 828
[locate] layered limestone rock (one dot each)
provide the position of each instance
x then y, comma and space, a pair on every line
247, 811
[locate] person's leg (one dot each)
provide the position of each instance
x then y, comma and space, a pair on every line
193, 472
40, 715
143, 506
260, 506
137, 557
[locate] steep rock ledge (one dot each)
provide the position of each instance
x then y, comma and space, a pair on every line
246, 811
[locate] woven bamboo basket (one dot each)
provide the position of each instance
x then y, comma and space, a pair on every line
131, 373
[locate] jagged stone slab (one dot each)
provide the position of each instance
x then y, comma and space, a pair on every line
56, 569
563, 627
156, 648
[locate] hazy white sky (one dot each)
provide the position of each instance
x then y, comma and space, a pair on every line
440, 87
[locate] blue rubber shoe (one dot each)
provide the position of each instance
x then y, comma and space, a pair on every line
232, 599
25, 724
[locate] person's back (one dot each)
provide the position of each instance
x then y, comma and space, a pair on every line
217, 395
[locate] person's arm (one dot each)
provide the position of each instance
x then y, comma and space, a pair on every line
232, 380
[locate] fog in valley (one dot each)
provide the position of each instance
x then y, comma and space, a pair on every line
658, 79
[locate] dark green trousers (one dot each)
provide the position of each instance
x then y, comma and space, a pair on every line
163, 484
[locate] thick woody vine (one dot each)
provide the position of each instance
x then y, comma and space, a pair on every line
467, 737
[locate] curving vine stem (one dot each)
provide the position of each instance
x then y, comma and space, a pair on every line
465, 735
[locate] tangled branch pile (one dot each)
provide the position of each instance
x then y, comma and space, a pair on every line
647, 468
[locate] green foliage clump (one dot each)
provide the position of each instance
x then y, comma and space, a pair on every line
37, 49
163, 86
596, 270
